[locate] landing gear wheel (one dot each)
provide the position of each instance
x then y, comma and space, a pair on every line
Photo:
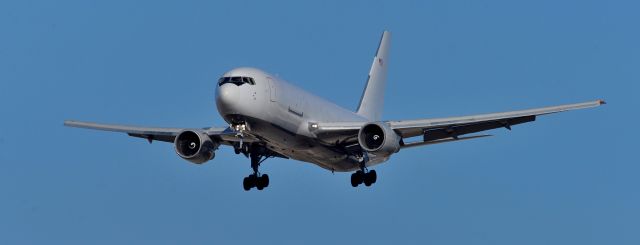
253, 180
259, 184
265, 180
236, 150
262, 181
359, 177
246, 184
257, 154
354, 180
367, 180
373, 176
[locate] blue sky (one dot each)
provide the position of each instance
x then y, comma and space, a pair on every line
566, 178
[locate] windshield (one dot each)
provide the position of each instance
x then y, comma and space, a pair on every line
238, 81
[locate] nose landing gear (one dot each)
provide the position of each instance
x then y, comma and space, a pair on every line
240, 147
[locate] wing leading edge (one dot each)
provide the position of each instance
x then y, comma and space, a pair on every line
451, 128
153, 133
434, 131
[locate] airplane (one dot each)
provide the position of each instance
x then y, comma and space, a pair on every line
269, 117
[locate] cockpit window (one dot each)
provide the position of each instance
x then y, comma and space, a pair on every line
238, 81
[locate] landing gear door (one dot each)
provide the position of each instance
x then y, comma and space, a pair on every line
272, 90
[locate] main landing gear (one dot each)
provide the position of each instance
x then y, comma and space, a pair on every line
257, 180
256, 153
368, 177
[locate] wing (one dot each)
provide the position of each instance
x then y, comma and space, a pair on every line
223, 135
440, 130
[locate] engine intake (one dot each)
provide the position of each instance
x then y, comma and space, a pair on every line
195, 146
378, 137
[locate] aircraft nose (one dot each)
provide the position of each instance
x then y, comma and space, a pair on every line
225, 97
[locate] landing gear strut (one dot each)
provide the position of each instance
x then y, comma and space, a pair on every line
240, 146
257, 180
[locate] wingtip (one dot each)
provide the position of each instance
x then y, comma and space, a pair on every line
70, 123
602, 102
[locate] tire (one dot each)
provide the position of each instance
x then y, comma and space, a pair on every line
253, 180
265, 180
354, 180
367, 180
260, 182
360, 176
373, 176
246, 184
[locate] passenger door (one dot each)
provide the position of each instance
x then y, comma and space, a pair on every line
272, 90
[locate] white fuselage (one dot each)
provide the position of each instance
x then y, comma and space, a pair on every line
281, 114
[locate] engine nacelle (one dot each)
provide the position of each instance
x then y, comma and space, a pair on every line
195, 146
378, 137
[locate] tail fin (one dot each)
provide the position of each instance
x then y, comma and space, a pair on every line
373, 95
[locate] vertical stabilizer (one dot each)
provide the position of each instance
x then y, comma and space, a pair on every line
373, 96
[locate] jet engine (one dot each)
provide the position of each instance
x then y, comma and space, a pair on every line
195, 146
378, 137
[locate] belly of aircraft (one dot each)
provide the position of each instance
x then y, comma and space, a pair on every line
301, 148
